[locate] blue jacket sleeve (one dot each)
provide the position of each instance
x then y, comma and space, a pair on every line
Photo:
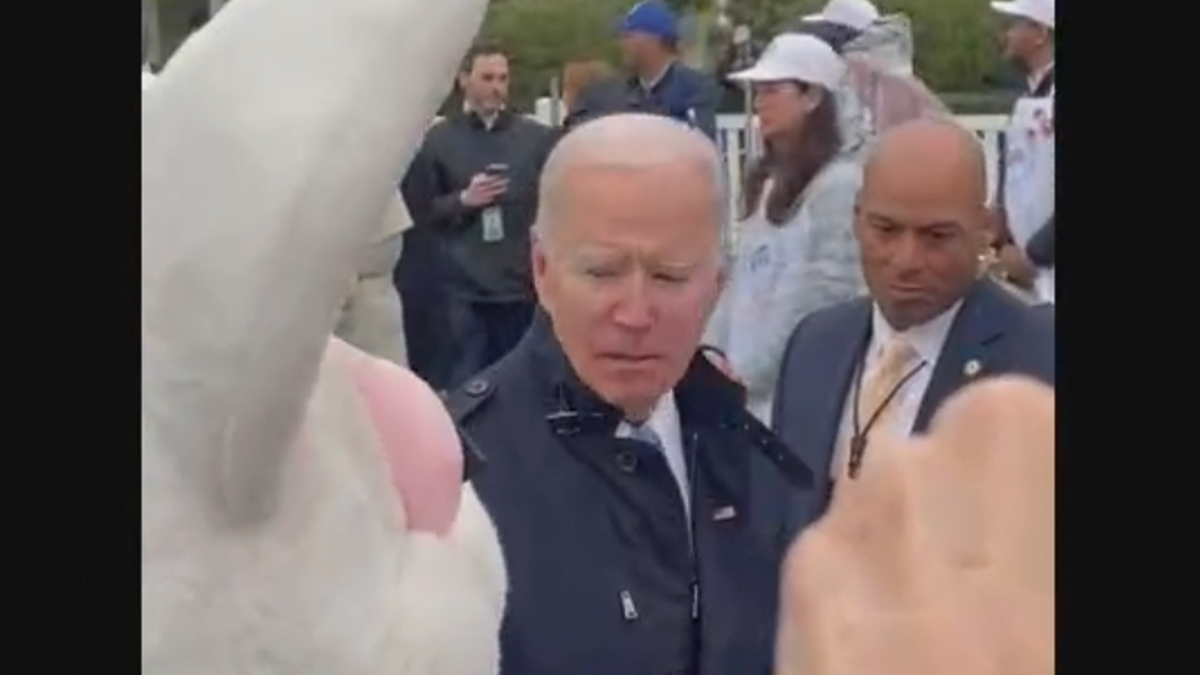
703, 104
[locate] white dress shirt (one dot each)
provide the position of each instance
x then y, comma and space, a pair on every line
927, 340
664, 421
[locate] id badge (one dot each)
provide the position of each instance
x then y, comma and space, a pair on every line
493, 225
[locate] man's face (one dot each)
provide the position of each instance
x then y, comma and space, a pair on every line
920, 241
485, 86
1021, 38
628, 273
634, 47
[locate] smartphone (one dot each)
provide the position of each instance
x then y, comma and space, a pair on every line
493, 221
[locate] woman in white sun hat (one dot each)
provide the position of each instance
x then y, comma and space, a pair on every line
879, 56
795, 249
841, 21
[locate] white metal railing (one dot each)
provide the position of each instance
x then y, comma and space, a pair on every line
734, 141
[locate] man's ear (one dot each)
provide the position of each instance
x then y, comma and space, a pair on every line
984, 236
722, 278
1045, 35
856, 224
538, 264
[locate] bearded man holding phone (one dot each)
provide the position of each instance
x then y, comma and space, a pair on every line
476, 178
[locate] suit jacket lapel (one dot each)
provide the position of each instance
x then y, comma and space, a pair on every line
965, 354
845, 348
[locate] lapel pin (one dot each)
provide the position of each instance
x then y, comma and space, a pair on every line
724, 513
972, 368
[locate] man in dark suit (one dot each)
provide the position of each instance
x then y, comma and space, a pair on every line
658, 82
932, 322
640, 505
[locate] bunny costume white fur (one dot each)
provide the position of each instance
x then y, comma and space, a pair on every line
302, 505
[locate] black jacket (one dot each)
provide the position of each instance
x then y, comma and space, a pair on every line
454, 150
1040, 248
595, 536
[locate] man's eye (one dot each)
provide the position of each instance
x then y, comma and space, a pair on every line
671, 278
600, 272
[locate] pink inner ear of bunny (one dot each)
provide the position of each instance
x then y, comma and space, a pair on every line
420, 444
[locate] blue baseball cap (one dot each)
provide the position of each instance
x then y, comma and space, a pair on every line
652, 18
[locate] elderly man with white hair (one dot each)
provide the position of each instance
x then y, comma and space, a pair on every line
639, 504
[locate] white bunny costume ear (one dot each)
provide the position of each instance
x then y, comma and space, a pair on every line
273, 540
269, 149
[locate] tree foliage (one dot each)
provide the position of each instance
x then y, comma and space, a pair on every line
543, 35
956, 40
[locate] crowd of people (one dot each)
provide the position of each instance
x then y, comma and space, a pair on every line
869, 282
646, 420
820, 101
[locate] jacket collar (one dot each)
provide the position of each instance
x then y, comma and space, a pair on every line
657, 84
504, 119
703, 396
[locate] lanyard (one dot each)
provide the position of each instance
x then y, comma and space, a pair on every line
1043, 88
858, 439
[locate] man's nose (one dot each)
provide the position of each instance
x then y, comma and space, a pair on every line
907, 254
634, 309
